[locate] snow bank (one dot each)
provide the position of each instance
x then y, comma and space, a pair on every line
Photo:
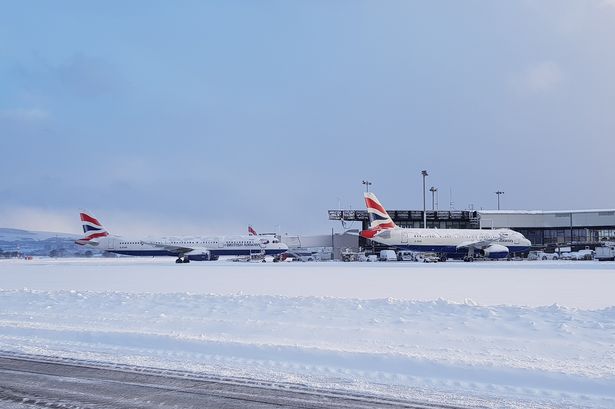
579, 284
495, 334
508, 356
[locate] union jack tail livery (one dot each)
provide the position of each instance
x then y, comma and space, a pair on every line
92, 229
251, 231
379, 219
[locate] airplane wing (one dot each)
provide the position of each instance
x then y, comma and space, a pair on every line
171, 248
477, 244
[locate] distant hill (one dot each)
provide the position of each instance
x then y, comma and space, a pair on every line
8, 234
40, 243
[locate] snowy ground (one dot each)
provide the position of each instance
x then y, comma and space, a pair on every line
579, 284
496, 334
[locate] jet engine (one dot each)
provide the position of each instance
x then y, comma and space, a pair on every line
495, 251
199, 255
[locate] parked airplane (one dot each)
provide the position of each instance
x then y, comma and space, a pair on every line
185, 249
466, 243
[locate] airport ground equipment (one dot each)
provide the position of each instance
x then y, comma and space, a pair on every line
605, 252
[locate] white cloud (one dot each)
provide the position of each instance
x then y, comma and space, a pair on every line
541, 77
544, 76
24, 114
608, 3
39, 219
136, 224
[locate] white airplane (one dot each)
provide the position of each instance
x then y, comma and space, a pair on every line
185, 249
456, 243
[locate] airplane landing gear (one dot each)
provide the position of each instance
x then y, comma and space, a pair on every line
181, 260
470, 257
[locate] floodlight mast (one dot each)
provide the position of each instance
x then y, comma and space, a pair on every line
499, 192
425, 174
367, 184
433, 191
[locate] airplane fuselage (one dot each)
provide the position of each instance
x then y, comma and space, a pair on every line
194, 248
452, 241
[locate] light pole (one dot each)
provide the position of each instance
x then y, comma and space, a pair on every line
499, 192
433, 191
367, 184
425, 174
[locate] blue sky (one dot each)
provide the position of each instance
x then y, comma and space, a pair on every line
202, 117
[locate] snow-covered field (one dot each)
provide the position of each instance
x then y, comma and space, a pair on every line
496, 334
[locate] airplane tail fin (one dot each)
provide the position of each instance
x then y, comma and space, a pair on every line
379, 219
251, 231
92, 229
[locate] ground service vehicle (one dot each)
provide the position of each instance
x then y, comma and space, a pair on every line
405, 255
427, 257
605, 252
541, 255
388, 255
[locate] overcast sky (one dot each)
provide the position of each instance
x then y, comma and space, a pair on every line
202, 117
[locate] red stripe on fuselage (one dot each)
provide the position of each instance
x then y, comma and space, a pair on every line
368, 234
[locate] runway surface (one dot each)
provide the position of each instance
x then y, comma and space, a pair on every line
32, 381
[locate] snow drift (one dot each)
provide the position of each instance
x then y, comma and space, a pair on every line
529, 355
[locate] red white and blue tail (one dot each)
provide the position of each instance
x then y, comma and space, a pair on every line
379, 219
251, 231
92, 229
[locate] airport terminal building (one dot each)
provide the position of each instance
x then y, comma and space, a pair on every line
550, 228
543, 228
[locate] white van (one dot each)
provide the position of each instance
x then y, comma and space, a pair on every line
388, 255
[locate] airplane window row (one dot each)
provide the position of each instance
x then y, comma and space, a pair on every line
189, 242
184, 242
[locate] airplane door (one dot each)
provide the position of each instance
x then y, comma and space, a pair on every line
404, 237
220, 243
111, 244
